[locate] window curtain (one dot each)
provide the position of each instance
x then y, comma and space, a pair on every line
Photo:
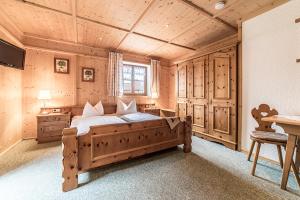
154, 78
115, 74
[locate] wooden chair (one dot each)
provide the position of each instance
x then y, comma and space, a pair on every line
265, 134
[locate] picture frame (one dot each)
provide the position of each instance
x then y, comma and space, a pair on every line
88, 74
61, 65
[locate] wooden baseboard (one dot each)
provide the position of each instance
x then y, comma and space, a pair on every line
10, 147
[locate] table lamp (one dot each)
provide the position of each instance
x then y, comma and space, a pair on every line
44, 95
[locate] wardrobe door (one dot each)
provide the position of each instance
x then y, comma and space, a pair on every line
182, 89
198, 101
222, 96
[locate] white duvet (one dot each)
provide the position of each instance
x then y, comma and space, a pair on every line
83, 124
137, 117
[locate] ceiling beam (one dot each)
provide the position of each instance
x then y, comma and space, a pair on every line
101, 23
74, 17
208, 14
136, 22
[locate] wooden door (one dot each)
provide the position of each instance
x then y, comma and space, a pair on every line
222, 96
198, 94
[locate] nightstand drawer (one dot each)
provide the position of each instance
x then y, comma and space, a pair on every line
58, 127
50, 127
54, 118
53, 130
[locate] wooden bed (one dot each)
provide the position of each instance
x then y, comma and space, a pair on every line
106, 144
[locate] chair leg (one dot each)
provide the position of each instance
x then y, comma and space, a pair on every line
280, 156
251, 150
255, 158
295, 173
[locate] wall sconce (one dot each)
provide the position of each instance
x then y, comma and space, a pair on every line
44, 95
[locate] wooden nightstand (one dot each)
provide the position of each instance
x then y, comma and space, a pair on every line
50, 126
153, 111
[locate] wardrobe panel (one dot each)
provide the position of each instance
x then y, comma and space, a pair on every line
221, 77
182, 80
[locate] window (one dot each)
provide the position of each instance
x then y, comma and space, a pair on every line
134, 79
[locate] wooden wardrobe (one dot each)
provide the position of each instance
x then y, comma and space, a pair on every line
207, 90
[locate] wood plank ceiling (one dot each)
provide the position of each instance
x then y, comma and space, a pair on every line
159, 28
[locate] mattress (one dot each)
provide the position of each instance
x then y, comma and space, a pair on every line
138, 117
83, 123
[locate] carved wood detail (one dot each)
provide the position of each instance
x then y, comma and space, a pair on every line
263, 110
70, 159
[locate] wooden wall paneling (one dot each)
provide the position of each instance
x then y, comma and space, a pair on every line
71, 48
39, 75
92, 91
10, 107
222, 96
199, 98
163, 100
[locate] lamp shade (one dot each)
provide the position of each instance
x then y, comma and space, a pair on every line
44, 95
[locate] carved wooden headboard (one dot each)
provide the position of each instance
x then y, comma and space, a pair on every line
109, 108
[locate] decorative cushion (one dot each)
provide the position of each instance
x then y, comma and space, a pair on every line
123, 109
269, 136
90, 111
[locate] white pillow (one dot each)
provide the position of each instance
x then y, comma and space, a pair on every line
123, 109
89, 110
99, 108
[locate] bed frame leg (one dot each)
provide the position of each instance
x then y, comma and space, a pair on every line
187, 148
70, 159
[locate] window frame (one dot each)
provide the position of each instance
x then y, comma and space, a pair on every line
136, 65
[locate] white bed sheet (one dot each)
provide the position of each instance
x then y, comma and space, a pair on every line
137, 117
83, 123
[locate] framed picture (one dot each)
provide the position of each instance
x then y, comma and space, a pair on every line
88, 74
61, 65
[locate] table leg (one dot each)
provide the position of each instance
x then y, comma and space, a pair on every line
297, 157
291, 143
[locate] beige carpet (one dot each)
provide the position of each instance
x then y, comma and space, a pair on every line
32, 171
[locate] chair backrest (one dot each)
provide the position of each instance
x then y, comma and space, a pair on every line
263, 111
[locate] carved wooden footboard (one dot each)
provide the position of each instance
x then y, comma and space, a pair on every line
107, 144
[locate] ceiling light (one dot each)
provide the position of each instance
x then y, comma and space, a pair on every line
100, 38
167, 25
220, 5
